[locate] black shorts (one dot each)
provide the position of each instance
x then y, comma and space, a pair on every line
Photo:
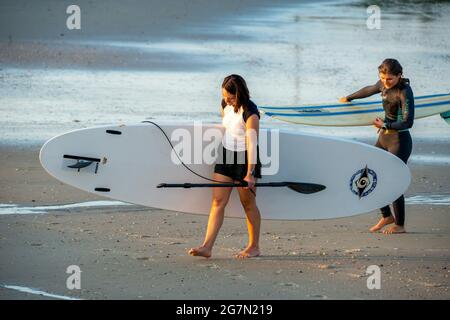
234, 164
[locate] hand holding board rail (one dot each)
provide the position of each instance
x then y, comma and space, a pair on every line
128, 163
356, 113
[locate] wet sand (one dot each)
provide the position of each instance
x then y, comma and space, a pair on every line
135, 252
149, 60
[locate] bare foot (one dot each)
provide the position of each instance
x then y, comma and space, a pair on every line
395, 229
200, 252
383, 222
248, 252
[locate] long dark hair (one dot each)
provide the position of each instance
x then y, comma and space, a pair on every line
237, 86
390, 66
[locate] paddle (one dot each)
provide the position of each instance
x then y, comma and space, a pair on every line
301, 187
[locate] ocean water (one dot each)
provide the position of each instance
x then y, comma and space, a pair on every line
37, 292
290, 54
10, 208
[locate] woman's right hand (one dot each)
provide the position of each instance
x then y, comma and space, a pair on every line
250, 182
343, 100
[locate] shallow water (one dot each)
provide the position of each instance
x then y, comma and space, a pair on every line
37, 292
434, 159
290, 54
8, 209
438, 200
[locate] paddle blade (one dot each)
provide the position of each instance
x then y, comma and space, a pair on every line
306, 188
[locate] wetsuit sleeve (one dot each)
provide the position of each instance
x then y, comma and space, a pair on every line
406, 120
365, 92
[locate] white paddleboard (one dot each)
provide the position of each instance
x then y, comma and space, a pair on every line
128, 162
355, 113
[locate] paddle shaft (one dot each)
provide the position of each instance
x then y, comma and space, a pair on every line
205, 185
221, 185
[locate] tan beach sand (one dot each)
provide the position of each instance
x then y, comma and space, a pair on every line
140, 253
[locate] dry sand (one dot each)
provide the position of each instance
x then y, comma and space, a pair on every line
141, 253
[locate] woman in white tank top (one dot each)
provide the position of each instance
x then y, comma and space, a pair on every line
237, 162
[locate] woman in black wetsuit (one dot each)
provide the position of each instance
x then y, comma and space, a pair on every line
394, 137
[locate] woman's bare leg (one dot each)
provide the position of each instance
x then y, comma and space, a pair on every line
253, 216
220, 197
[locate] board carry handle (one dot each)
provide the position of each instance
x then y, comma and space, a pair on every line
116, 132
102, 189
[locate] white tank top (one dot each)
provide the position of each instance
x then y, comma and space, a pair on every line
234, 137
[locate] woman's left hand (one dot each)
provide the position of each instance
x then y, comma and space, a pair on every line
378, 123
250, 181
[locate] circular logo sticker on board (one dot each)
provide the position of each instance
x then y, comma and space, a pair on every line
363, 182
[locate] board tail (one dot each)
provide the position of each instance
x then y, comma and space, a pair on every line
446, 116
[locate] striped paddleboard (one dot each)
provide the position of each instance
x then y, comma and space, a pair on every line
356, 114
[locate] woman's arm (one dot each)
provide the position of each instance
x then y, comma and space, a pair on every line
407, 101
365, 92
251, 136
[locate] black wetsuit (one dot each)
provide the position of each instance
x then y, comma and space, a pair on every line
398, 104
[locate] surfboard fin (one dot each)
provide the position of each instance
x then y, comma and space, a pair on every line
82, 162
446, 116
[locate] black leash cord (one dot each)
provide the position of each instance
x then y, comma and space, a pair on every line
184, 165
